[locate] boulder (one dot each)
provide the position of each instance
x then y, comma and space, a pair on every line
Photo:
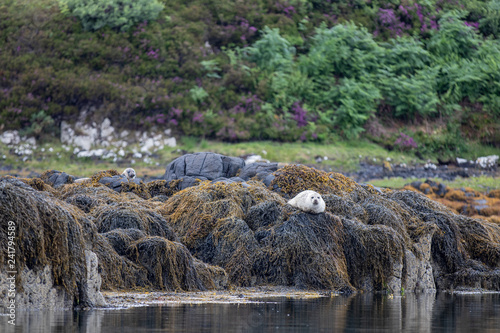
206, 165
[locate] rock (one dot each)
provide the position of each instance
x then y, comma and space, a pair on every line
92, 287
430, 166
40, 292
487, 162
207, 165
228, 231
10, 138
259, 169
169, 264
57, 178
52, 231
170, 142
252, 159
132, 216
148, 144
124, 134
106, 130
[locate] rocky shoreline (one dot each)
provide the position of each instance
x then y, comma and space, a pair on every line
214, 222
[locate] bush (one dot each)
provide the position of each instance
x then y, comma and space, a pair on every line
116, 14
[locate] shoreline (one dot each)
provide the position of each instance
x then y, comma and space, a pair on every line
242, 295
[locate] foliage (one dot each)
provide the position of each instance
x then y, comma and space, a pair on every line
271, 52
119, 14
287, 70
41, 125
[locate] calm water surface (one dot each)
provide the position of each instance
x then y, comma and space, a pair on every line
359, 313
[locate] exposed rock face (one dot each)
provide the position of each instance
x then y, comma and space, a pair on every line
232, 230
39, 291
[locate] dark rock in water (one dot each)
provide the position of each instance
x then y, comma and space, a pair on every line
207, 165
56, 178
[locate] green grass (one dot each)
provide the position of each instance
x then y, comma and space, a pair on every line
342, 156
482, 183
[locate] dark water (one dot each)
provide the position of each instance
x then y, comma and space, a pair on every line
360, 313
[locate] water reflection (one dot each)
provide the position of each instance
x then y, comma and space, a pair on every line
359, 313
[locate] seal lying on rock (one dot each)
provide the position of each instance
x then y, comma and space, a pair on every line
129, 173
308, 201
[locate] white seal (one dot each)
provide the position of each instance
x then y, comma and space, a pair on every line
129, 173
308, 201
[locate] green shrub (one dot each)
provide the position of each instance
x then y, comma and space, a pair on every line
116, 14
41, 125
271, 52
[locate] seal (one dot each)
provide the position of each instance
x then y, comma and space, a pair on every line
129, 173
308, 201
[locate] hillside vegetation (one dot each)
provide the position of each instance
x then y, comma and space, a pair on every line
257, 70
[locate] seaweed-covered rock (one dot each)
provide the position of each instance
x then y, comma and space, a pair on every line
117, 271
305, 251
51, 237
120, 239
169, 264
299, 251
162, 187
293, 179
132, 215
207, 165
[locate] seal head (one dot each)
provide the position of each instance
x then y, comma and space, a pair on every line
129, 173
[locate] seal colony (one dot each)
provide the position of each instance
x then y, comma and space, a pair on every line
308, 201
